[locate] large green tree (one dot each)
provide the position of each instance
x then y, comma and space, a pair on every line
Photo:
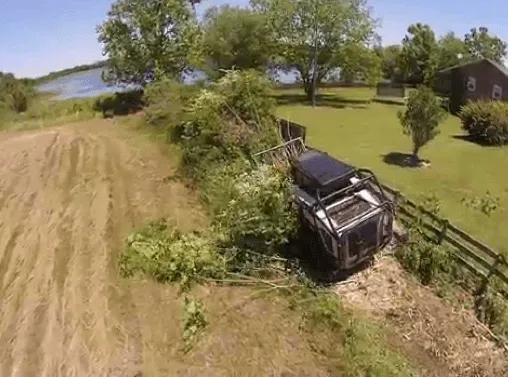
148, 39
419, 56
316, 36
362, 64
452, 51
482, 45
235, 37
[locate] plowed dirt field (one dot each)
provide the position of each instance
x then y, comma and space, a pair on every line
68, 197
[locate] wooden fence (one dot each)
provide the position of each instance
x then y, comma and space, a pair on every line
479, 259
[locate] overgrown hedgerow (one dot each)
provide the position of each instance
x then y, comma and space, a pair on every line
258, 216
218, 129
230, 120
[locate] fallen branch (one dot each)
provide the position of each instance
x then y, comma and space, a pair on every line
498, 339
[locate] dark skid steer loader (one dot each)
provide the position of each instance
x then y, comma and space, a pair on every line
344, 209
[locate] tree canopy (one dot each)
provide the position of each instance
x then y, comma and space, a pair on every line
452, 50
316, 36
235, 37
419, 56
389, 56
147, 40
482, 45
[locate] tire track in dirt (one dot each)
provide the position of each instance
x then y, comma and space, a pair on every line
129, 333
21, 288
46, 210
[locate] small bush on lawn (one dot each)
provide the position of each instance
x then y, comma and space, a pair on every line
421, 118
486, 121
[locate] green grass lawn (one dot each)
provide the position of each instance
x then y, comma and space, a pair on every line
350, 127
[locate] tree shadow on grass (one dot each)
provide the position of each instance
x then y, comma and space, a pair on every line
404, 160
322, 100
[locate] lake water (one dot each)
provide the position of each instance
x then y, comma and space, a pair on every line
90, 84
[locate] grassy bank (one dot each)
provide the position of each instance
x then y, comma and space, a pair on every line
368, 134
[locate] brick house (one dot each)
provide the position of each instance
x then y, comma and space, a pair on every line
474, 80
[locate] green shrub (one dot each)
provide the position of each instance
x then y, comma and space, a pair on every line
217, 188
18, 99
231, 119
421, 118
121, 103
426, 259
164, 253
492, 308
45, 109
166, 100
259, 215
193, 322
15, 94
486, 121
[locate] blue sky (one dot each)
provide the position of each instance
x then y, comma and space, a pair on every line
39, 36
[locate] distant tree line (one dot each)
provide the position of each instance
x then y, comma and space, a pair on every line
421, 54
64, 72
149, 41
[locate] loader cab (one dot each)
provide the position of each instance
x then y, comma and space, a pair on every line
345, 207
343, 210
319, 174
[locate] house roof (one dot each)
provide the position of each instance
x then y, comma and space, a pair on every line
501, 67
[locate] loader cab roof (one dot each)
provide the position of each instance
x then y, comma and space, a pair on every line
316, 170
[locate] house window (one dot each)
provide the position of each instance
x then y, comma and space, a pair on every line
471, 83
497, 92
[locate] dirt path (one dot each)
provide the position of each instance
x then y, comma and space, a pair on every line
68, 197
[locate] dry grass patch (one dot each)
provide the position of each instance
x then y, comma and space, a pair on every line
443, 339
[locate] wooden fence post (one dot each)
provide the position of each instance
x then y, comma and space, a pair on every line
442, 235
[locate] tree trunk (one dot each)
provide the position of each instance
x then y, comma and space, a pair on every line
415, 158
315, 58
310, 91
313, 89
